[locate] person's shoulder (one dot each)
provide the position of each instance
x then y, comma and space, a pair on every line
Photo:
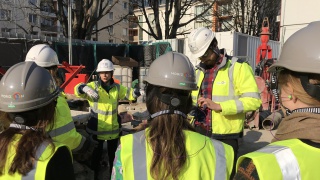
234, 59
195, 135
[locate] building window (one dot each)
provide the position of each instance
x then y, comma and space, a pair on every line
110, 2
125, 20
33, 2
153, 25
111, 15
110, 30
110, 40
225, 10
33, 18
46, 8
5, 30
200, 9
204, 20
202, 24
125, 5
5, 14
46, 22
125, 31
162, 2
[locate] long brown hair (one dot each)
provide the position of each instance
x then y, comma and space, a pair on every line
53, 70
290, 77
25, 156
166, 135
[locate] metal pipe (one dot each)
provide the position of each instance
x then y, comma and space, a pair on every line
70, 31
272, 121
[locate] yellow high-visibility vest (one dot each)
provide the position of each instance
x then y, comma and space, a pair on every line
288, 159
105, 109
207, 158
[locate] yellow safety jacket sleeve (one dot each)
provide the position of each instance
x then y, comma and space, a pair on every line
247, 96
64, 130
125, 93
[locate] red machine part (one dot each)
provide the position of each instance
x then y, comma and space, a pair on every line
263, 61
264, 50
72, 77
2, 71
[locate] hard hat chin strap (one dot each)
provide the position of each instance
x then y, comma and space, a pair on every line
173, 101
288, 111
22, 127
168, 112
312, 89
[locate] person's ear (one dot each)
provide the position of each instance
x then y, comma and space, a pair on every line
291, 95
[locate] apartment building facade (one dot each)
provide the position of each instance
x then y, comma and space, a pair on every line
118, 30
25, 17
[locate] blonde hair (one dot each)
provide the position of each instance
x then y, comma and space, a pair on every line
289, 77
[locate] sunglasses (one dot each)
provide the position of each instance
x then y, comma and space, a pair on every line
207, 53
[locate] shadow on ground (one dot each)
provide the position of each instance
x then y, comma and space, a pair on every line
252, 141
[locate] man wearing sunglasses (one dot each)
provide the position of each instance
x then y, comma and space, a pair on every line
226, 90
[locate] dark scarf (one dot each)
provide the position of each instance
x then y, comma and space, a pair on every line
301, 125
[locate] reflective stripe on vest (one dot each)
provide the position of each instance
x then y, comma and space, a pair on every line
61, 130
94, 112
139, 156
83, 139
221, 161
140, 161
39, 152
95, 104
286, 159
128, 93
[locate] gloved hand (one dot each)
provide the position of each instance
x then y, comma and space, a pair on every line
136, 92
90, 92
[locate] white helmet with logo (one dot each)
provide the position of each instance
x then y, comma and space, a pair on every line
43, 56
105, 65
199, 41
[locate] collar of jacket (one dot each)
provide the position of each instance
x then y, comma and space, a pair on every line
106, 87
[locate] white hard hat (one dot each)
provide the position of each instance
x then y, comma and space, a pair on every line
105, 65
43, 56
199, 41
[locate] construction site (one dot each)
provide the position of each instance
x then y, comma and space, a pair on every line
131, 66
78, 63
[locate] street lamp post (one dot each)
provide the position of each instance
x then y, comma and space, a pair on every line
70, 31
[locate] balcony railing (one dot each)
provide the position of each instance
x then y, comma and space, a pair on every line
47, 28
133, 25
